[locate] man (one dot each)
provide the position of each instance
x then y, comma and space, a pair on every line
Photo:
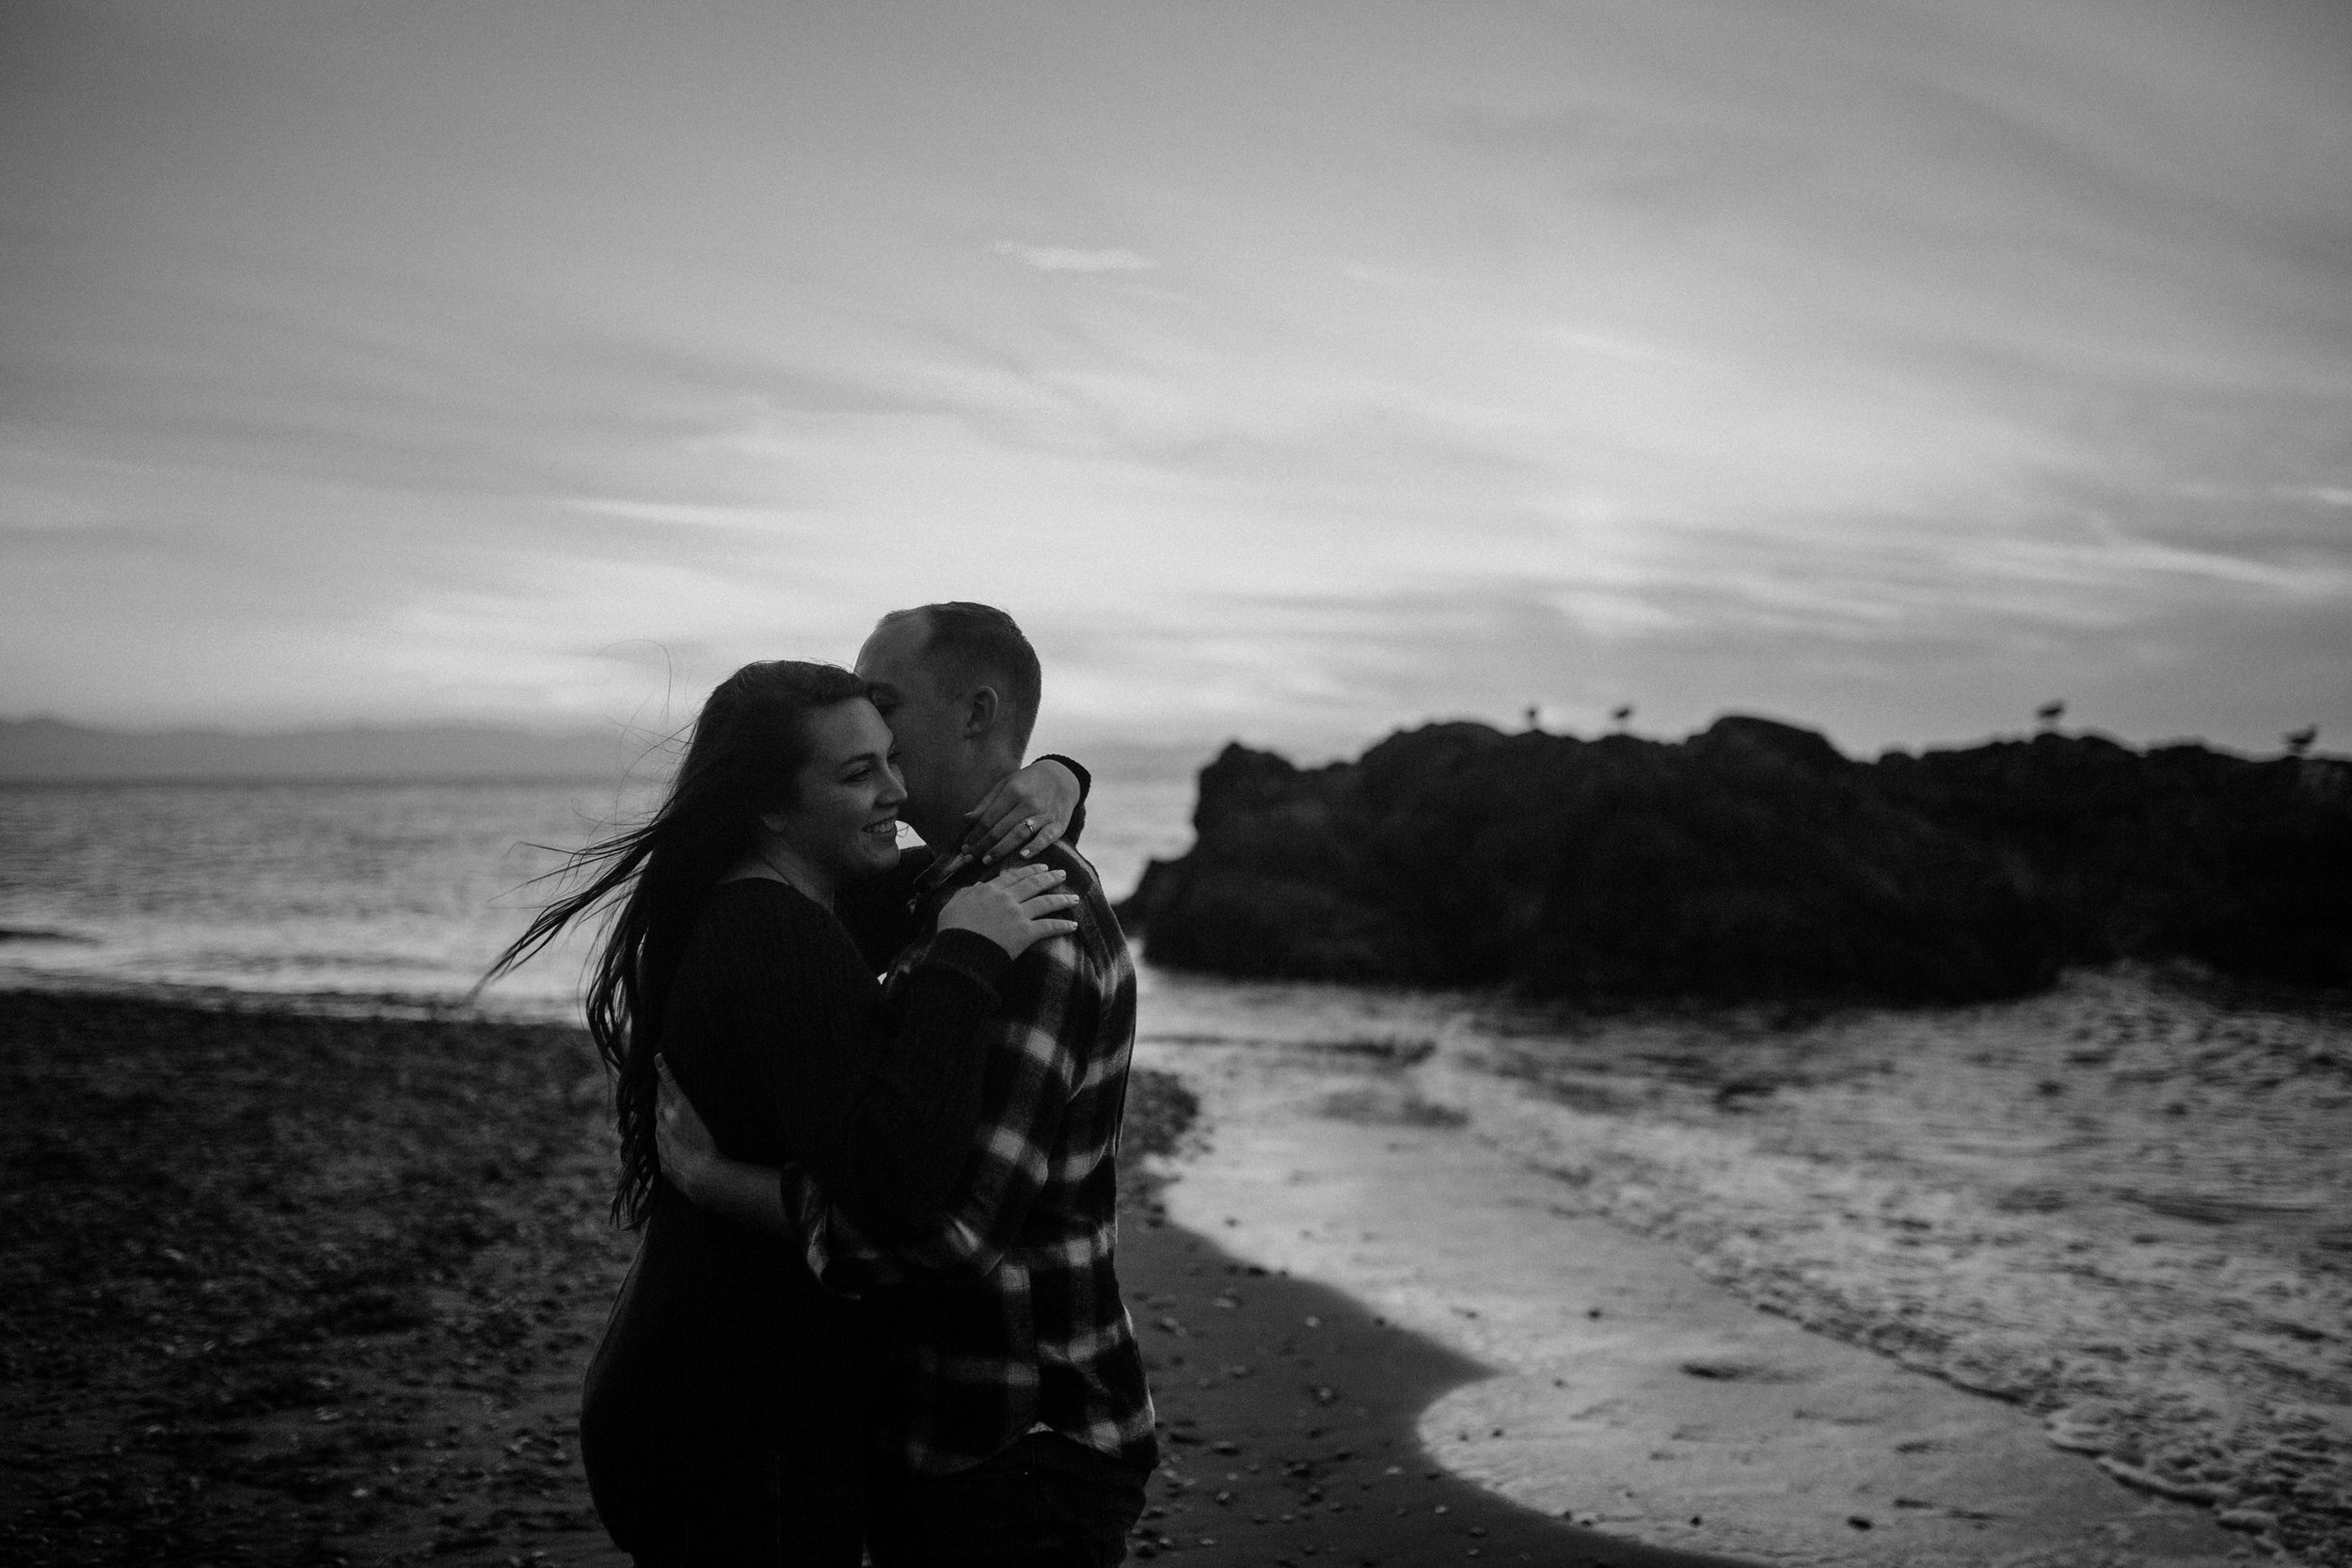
1018, 1429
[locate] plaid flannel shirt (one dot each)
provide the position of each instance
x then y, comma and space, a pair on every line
1008, 1316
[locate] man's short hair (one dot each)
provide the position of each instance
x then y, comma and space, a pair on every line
970, 645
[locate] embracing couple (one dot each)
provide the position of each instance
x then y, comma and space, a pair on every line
874, 1306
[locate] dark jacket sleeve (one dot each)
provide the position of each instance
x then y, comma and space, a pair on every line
1085, 787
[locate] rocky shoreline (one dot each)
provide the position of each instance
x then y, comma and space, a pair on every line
1753, 862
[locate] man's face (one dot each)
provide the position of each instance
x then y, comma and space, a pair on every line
928, 726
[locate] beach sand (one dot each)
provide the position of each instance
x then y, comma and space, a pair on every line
309, 1290
296, 1289
1598, 1377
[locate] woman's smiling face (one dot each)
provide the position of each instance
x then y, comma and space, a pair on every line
843, 822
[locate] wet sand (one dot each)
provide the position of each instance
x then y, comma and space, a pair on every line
2116, 1207
1613, 1383
1290, 1418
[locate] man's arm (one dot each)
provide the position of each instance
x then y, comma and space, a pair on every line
690, 1159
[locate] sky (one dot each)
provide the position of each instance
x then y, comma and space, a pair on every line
1292, 371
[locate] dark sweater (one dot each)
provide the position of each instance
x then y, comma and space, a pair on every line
777, 1031
721, 1342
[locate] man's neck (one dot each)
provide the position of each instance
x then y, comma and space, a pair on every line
975, 784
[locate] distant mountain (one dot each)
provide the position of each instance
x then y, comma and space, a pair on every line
50, 749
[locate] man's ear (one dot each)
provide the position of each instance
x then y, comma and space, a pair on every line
979, 711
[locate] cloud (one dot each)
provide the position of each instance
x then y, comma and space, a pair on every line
1063, 258
1858, 361
2321, 495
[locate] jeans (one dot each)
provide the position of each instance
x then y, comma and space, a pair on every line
1048, 1501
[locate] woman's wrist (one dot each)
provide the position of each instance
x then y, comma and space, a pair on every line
1078, 775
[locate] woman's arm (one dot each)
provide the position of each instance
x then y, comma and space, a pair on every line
891, 1158
881, 1112
1027, 810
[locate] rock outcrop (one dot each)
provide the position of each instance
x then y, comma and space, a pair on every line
1752, 861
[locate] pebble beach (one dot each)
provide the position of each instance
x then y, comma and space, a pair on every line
1420, 1278
316, 1287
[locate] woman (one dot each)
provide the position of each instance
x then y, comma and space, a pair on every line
724, 1417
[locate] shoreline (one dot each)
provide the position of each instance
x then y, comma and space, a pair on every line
1290, 1414
1628, 1388
2104, 1205
249, 1352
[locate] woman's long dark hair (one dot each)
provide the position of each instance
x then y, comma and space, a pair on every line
748, 746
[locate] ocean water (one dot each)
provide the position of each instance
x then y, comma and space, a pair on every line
354, 894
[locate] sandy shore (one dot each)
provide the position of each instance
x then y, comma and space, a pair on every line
1608, 1381
2118, 1206
1492, 1182
317, 1291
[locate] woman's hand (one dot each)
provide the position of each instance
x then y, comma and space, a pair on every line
1025, 812
1014, 908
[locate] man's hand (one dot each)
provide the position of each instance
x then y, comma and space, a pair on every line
748, 1195
689, 1155
1025, 812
